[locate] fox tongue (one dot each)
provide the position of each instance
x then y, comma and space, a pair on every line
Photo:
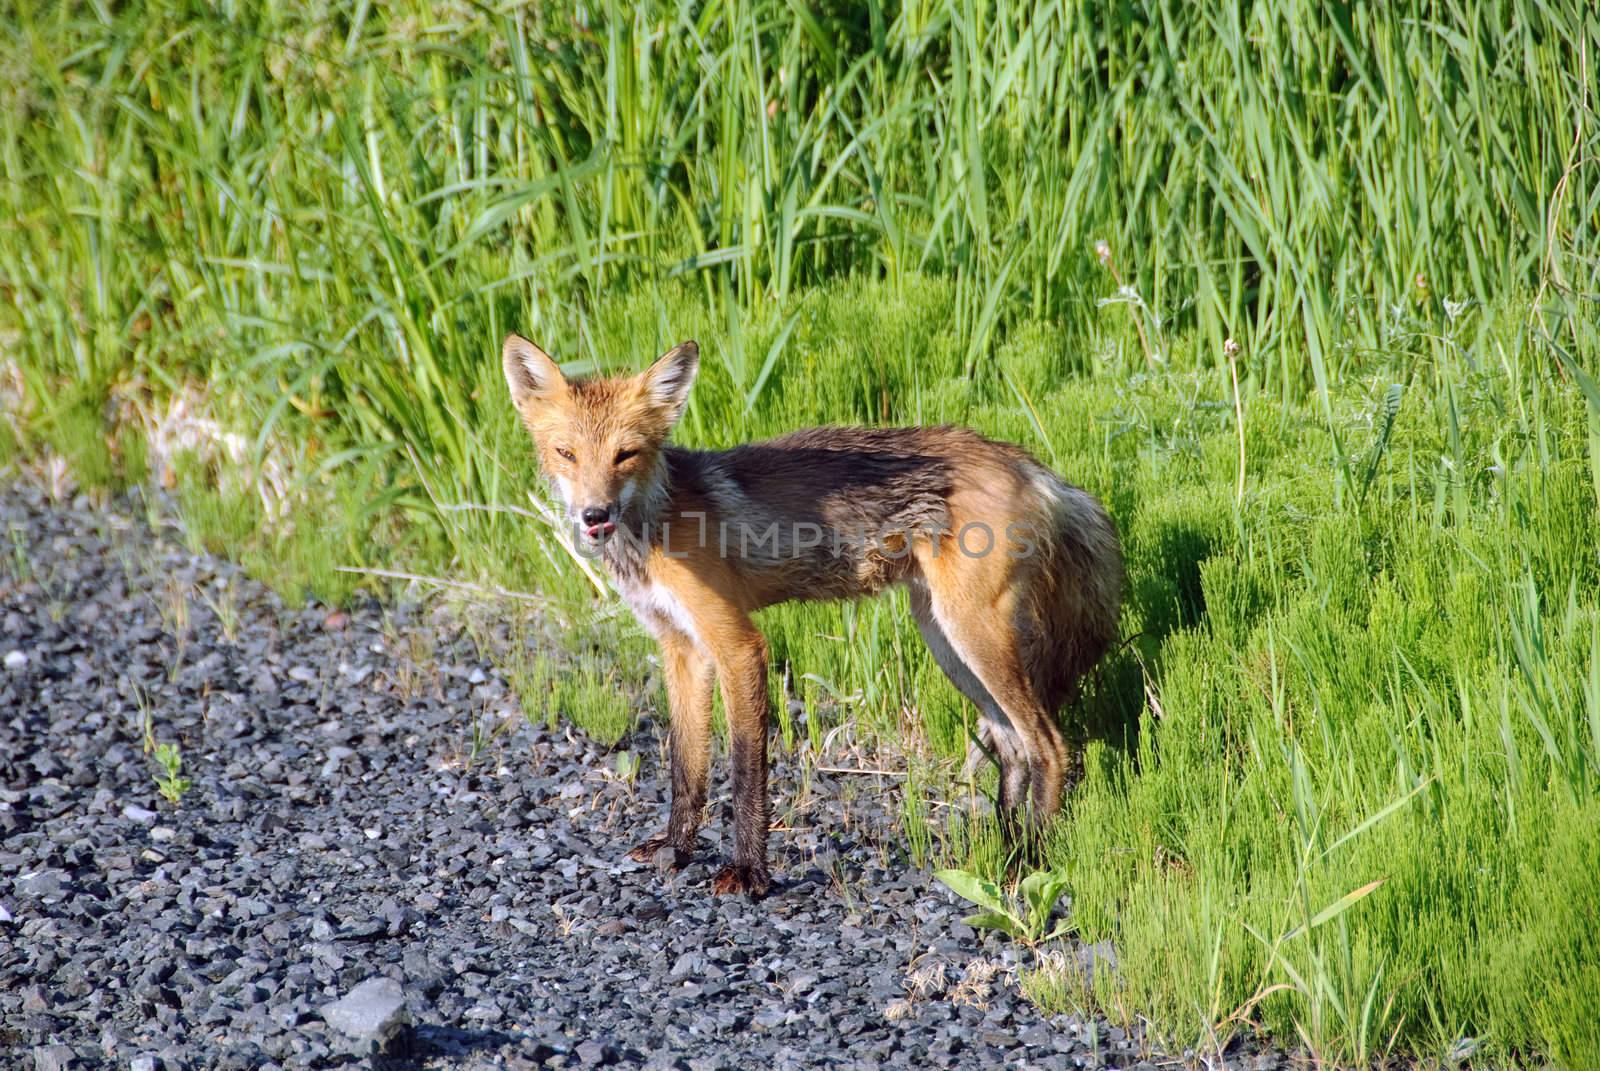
607, 528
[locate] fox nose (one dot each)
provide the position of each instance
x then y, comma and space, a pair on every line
594, 516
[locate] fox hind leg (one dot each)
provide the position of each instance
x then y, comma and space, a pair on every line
995, 729
975, 607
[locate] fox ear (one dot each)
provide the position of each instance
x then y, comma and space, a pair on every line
666, 382
530, 373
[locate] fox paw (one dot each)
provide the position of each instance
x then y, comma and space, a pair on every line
661, 851
752, 881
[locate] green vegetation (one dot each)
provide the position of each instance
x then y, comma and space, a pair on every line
169, 778
1025, 917
588, 690
1344, 781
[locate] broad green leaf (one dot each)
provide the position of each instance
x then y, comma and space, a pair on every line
1040, 891
971, 887
995, 920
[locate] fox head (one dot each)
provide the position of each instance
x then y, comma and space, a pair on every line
599, 440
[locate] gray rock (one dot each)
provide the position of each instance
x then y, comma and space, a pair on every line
594, 1053
1039, 1035
52, 1058
336, 755
689, 965
373, 1014
40, 884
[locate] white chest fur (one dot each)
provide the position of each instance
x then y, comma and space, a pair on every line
657, 608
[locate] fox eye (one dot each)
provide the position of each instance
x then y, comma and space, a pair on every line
623, 455
567, 454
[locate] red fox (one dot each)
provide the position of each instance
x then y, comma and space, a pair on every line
1015, 577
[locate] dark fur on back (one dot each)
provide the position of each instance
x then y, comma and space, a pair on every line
810, 504
806, 509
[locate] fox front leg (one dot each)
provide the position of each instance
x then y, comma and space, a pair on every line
743, 671
689, 680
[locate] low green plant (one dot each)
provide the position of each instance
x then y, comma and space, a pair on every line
169, 773
21, 564
1023, 917
590, 694
594, 698
224, 606
918, 834
531, 680
485, 734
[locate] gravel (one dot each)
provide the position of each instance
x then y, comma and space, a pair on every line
345, 878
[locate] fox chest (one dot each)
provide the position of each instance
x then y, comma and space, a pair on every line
658, 609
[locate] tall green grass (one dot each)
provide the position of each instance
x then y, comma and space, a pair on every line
1343, 777
325, 208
